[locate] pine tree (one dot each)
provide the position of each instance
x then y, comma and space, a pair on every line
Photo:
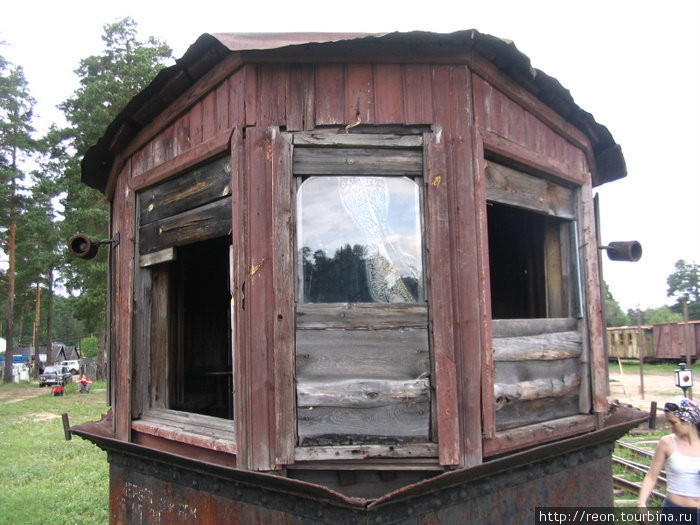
16, 146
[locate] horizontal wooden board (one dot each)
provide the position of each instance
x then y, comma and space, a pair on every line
361, 393
508, 186
398, 423
506, 394
371, 140
358, 161
518, 371
371, 354
369, 316
524, 327
159, 257
199, 224
192, 189
547, 347
530, 412
416, 451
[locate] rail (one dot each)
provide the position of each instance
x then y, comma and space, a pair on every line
639, 468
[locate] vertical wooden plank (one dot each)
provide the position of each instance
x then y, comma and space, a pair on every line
330, 94
594, 305
123, 257
359, 102
283, 291
221, 121
196, 124
239, 209
487, 366
453, 111
236, 99
417, 99
300, 98
440, 300
182, 134
208, 116
250, 94
388, 94
142, 160
272, 95
256, 306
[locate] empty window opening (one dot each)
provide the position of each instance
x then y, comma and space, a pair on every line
202, 378
529, 259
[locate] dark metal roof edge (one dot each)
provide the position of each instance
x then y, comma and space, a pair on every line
209, 49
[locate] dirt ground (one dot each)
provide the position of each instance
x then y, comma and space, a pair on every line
21, 393
626, 388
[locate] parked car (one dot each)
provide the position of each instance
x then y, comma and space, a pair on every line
55, 375
73, 366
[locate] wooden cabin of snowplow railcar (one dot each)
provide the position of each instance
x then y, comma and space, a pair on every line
346, 256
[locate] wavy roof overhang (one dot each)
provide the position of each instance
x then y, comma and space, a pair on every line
209, 50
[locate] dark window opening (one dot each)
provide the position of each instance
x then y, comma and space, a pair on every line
201, 362
529, 259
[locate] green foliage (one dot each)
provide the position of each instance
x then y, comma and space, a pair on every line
43, 477
662, 314
614, 316
684, 285
89, 346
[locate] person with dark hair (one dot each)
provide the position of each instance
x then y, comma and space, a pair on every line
680, 453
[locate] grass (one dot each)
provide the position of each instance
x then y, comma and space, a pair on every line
44, 478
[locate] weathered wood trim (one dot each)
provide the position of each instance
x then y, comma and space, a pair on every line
192, 429
263, 375
355, 453
124, 255
516, 188
162, 256
594, 302
199, 224
204, 151
531, 435
544, 347
358, 161
361, 393
283, 291
487, 366
529, 327
453, 113
502, 148
241, 327
208, 182
439, 277
369, 140
361, 315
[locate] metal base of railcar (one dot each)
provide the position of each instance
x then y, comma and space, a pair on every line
149, 486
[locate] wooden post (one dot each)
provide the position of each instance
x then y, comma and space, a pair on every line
622, 377
640, 352
652, 415
686, 333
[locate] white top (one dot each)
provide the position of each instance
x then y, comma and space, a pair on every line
682, 474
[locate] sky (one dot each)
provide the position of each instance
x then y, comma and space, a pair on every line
633, 64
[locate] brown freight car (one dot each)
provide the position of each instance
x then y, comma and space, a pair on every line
355, 278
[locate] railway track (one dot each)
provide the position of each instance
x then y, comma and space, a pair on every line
637, 468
